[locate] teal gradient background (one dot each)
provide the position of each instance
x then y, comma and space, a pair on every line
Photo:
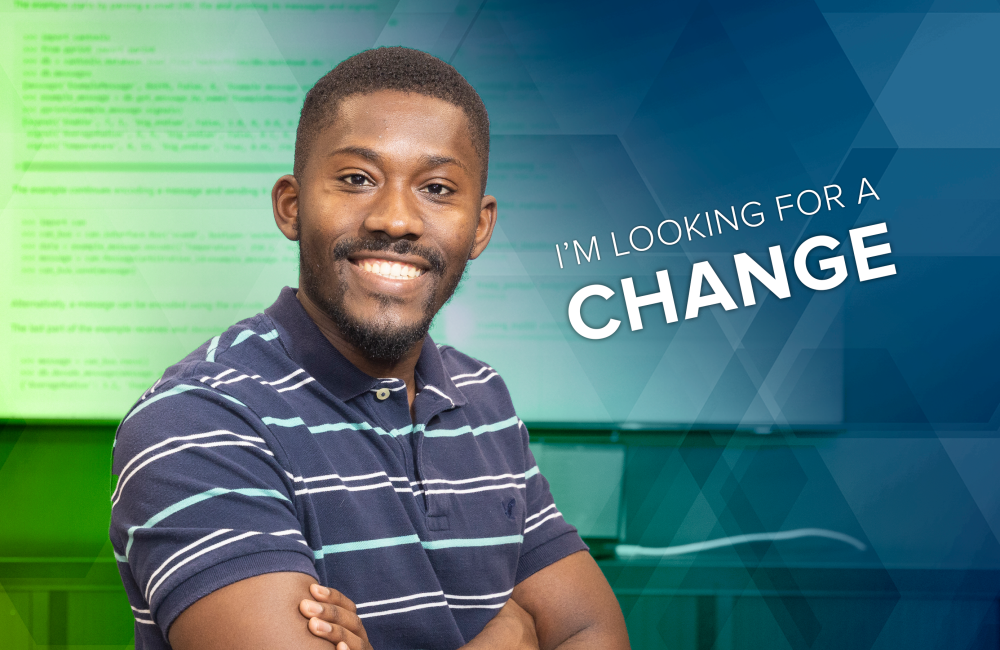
139, 142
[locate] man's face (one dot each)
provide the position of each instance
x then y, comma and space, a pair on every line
388, 212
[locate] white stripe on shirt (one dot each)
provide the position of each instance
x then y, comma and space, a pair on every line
298, 385
477, 381
484, 488
484, 597
198, 554
223, 443
283, 379
196, 436
403, 609
185, 549
542, 521
539, 513
375, 603
461, 481
472, 374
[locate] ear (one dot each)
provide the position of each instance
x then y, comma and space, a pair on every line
484, 226
285, 203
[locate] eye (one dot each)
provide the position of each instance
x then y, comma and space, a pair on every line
357, 179
438, 188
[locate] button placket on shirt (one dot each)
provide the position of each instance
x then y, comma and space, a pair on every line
428, 406
389, 413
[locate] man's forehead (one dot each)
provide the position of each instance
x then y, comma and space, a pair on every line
360, 113
365, 123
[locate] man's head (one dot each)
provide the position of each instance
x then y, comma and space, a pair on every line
391, 68
387, 197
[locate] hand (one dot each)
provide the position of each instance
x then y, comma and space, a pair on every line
333, 617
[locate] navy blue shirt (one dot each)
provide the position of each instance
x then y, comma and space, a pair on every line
265, 450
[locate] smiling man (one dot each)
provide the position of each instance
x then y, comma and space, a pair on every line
323, 474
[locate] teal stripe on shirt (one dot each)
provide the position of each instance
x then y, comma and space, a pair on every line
364, 426
211, 348
287, 422
467, 542
364, 545
176, 390
486, 428
471, 542
340, 426
245, 334
242, 336
195, 499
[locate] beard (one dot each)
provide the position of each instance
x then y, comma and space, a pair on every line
382, 339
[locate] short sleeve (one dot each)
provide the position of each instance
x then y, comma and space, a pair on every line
202, 500
548, 538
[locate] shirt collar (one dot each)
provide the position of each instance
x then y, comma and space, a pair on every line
313, 352
433, 381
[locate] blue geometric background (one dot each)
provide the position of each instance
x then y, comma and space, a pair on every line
871, 410
873, 406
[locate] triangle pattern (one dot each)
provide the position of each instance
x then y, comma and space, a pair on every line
874, 43
557, 48
874, 134
510, 93
795, 76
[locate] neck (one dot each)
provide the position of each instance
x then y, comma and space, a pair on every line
403, 368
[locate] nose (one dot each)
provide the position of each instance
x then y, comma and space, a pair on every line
396, 213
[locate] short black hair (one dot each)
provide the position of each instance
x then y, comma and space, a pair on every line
391, 68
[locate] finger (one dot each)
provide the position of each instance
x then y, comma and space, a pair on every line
333, 615
337, 635
326, 595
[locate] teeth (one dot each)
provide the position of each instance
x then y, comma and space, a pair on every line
394, 270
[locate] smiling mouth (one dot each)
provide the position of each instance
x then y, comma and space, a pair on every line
386, 269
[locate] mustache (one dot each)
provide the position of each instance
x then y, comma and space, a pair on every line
347, 247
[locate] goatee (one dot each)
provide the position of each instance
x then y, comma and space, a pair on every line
381, 339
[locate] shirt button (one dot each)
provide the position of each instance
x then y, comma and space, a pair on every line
382, 394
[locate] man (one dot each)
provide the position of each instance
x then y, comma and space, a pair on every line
324, 475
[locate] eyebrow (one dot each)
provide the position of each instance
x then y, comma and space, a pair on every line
373, 156
436, 161
367, 154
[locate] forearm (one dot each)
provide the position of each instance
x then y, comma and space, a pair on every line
593, 636
573, 606
500, 637
608, 634
511, 629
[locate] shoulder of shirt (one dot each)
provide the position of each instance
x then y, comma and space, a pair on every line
230, 363
476, 379
482, 387
456, 362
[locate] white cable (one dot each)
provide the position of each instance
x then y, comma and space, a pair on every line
626, 551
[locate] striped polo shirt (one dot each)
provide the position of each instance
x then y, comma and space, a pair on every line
266, 450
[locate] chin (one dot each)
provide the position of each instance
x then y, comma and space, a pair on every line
382, 333
384, 343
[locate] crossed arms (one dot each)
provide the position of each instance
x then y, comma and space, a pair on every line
566, 605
